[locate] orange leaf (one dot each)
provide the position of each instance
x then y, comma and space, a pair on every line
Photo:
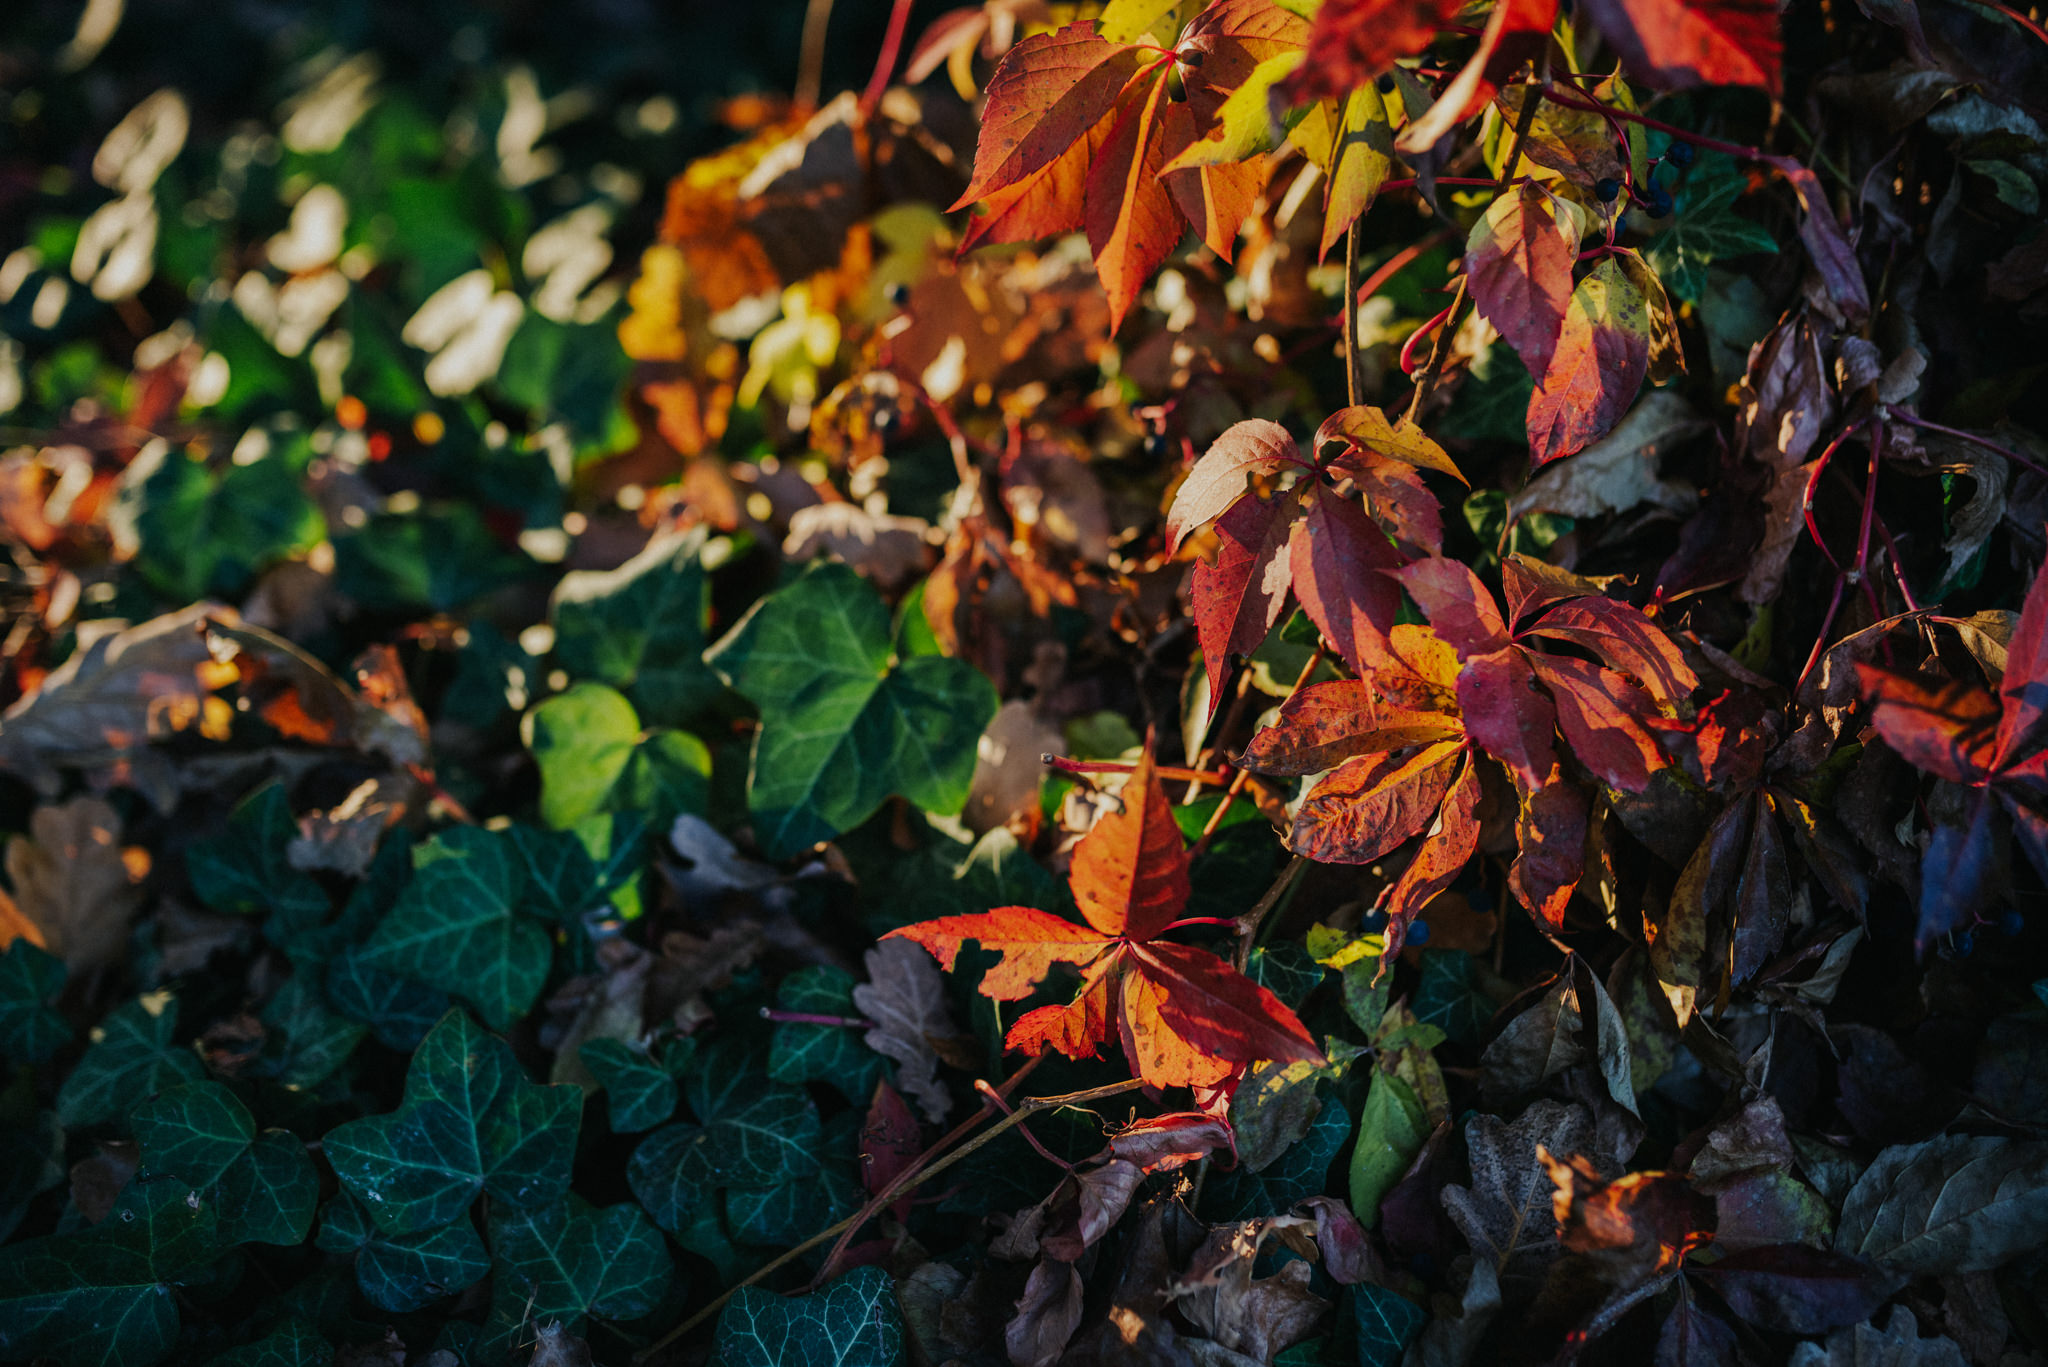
1030, 941
1602, 354
1373, 803
1130, 873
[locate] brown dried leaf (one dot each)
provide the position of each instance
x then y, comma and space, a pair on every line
74, 880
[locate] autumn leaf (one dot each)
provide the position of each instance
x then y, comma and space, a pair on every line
1079, 132
1602, 355
1679, 44
1353, 41
1518, 266
1185, 1017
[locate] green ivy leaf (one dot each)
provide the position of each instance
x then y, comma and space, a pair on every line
131, 1059
104, 1295
402, 1272
30, 979
245, 869
570, 1259
397, 1009
207, 532
1286, 970
640, 628
295, 1343
193, 1132
838, 1055
458, 922
269, 1195
843, 725
1387, 1323
641, 1090
470, 1122
561, 879
1299, 1173
670, 1174
854, 1320
263, 1184
594, 757
438, 558
304, 1042
1446, 998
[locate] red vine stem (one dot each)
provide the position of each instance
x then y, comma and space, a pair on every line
1213, 777
1733, 149
1915, 420
885, 64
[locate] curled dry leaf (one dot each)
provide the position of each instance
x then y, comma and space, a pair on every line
906, 999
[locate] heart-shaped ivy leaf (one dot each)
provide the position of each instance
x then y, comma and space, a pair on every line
397, 1009
263, 1184
459, 922
104, 1295
245, 869
844, 724
470, 1122
30, 979
569, 1260
131, 1059
595, 756
403, 1272
854, 1320
801, 1052
640, 628
640, 1087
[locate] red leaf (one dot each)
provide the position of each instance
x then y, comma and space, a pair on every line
1047, 204
1531, 585
1603, 352
1130, 873
1398, 500
1353, 41
1030, 941
1239, 596
1252, 447
1077, 1029
1626, 640
1457, 604
889, 1142
1507, 715
1600, 714
1338, 556
1132, 221
1949, 729
1443, 856
1216, 1008
1325, 724
1678, 44
1373, 803
1518, 266
1050, 90
2024, 690
1551, 832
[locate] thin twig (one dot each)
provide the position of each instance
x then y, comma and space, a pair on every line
810, 63
1248, 924
1214, 777
1427, 379
908, 1180
1354, 380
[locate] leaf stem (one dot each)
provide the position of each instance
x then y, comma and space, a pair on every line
885, 63
915, 1175
1354, 381
1214, 777
1733, 149
769, 1013
1915, 420
1248, 924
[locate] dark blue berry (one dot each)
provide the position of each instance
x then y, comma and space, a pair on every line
1679, 154
1386, 83
1155, 445
1374, 922
1965, 942
899, 294
1660, 202
1418, 933
2012, 923
1620, 225
1608, 188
